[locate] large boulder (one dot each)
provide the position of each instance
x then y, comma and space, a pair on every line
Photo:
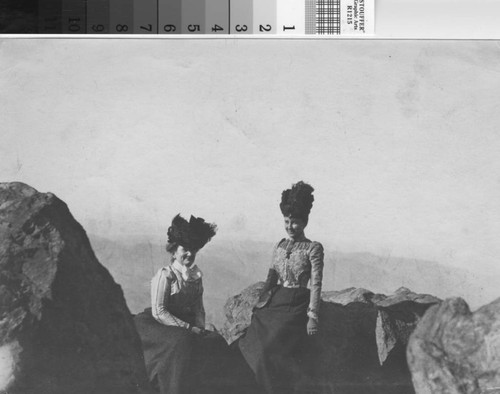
64, 324
454, 351
362, 339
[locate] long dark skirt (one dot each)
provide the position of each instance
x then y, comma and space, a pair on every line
275, 344
177, 360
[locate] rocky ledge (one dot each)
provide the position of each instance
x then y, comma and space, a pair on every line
64, 324
455, 351
362, 338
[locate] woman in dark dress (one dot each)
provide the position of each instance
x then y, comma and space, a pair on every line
276, 342
178, 351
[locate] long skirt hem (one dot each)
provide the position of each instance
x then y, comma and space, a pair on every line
275, 344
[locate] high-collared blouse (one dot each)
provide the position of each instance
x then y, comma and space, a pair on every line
177, 293
294, 264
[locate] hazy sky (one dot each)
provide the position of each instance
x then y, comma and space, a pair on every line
401, 140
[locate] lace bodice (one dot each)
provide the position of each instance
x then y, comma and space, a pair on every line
294, 264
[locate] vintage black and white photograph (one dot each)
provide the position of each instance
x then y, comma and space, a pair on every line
249, 216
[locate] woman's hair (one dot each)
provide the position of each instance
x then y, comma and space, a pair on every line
297, 201
192, 235
171, 247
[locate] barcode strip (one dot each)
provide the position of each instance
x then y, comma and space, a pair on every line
327, 16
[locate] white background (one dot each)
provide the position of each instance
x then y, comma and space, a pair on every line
458, 19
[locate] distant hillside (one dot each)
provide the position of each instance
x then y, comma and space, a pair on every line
386, 274
230, 266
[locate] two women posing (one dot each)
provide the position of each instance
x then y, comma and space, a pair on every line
179, 351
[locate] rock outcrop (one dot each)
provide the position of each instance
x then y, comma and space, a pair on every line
454, 351
362, 339
64, 324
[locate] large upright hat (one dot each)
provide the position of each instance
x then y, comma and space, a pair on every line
193, 234
297, 201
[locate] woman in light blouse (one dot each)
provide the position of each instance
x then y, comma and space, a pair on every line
177, 292
275, 345
177, 349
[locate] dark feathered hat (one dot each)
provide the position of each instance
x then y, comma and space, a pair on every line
297, 201
193, 234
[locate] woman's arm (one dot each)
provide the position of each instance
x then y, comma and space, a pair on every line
160, 293
199, 311
316, 258
271, 281
272, 274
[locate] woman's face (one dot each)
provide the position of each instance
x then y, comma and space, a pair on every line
294, 227
184, 255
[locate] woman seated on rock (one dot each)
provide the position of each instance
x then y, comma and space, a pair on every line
178, 351
276, 344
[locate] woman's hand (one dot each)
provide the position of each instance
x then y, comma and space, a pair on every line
198, 330
312, 326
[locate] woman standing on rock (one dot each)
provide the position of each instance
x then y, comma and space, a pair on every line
275, 344
172, 332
